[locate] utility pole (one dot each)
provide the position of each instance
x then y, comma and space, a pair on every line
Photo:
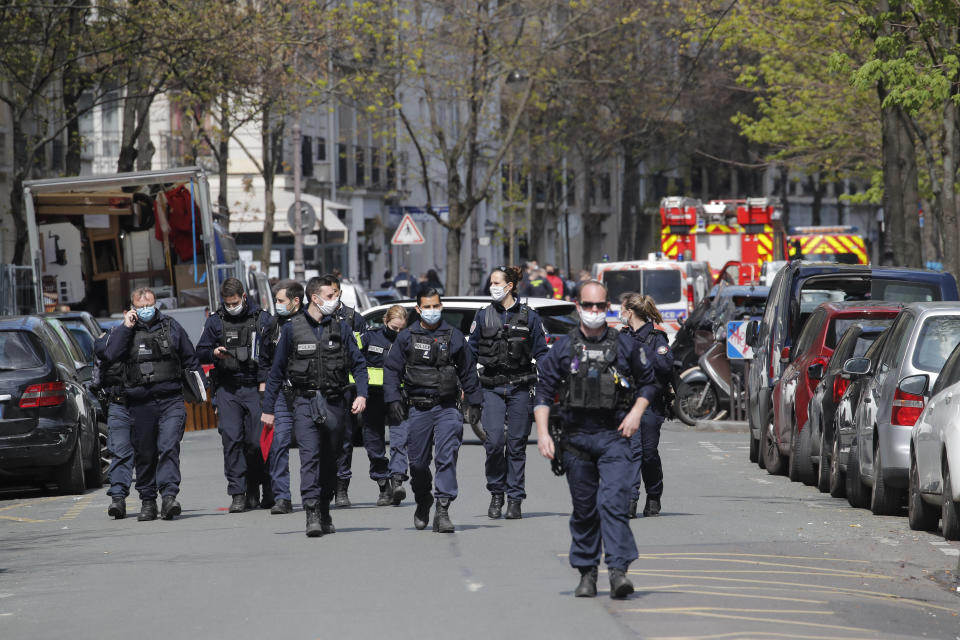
297, 169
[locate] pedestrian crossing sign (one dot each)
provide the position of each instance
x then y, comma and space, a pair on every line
407, 232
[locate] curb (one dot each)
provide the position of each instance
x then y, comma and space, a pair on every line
724, 426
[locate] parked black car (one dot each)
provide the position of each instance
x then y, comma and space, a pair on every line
83, 326
48, 427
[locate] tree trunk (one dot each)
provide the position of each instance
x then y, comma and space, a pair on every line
629, 198
74, 84
816, 188
128, 137
912, 256
454, 245
948, 188
269, 207
223, 155
892, 188
21, 167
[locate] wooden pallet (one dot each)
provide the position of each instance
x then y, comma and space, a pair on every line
200, 416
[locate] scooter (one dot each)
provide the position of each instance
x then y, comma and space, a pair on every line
703, 391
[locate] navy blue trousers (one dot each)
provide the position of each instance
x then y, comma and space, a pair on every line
600, 491
434, 433
374, 423
506, 419
399, 462
238, 412
120, 445
157, 432
319, 448
279, 460
646, 457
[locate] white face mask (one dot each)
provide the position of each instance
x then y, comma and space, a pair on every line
593, 319
498, 293
328, 306
234, 311
624, 319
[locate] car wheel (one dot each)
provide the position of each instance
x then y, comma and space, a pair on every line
792, 471
772, 459
856, 491
70, 475
102, 441
950, 512
754, 446
920, 515
804, 459
94, 475
884, 500
823, 469
838, 483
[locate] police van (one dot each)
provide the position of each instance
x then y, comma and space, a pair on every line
676, 286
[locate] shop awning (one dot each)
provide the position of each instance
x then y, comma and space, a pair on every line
247, 213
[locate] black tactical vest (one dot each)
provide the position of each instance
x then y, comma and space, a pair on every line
429, 371
317, 364
505, 348
152, 358
594, 382
240, 339
112, 376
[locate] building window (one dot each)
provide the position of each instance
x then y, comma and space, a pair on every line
391, 170
605, 187
321, 149
306, 157
342, 166
375, 166
360, 159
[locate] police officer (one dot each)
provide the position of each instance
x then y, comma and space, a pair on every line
505, 338
376, 345
155, 351
288, 297
231, 341
432, 362
119, 429
606, 385
315, 354
639, 313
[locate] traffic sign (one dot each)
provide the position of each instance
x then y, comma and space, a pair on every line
308, 216
407, 232
737, 348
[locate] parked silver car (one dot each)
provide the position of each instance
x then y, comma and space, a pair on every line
935, 453
919, 342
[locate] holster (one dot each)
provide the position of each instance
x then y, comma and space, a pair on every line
320, 412
489, 382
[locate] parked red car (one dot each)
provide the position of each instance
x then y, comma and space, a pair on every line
804, 366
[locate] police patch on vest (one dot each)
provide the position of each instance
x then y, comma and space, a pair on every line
593, 354
663, 350
307, 348
375, 349
145, 350
423, 346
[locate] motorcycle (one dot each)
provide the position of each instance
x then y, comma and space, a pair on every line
703, 391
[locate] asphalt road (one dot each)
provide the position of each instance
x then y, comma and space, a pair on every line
736, 554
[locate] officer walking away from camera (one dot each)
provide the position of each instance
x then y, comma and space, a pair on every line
155, 351
288, 297
432, 362
389, 476
119, 428
315, 354
231, 341
639, 313
505, 338
606, 385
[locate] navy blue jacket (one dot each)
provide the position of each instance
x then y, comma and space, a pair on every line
99, 348
278, 370
657, 351
359, 323
269, 346
460, 356
538, 339
116, 348
212, 336
381, 344
554, 369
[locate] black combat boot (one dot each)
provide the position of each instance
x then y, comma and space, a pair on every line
386, 493
342, 499
253, 497
513, 510
620, 585
421, 517
314, 528
496, 505
283, 506
266, 496
441, 519
148, 510
239, 503
399, 493
632, 510
118, 508
326, 522
652, 507
588, 583
169, 508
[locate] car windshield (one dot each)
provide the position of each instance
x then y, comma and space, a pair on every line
17, 351
83, 338
663, 285
559, 320
938, 336
839, 326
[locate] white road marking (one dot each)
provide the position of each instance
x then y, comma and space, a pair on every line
474, 586
761, 480
950, 552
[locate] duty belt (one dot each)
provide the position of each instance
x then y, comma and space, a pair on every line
423, 403
501, 380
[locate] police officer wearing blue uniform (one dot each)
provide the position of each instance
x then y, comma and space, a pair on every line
119, 429
155, 351
389, 476
288, 298
605, 385
639, 313
432, 362
315, 354
505, 338
231, 341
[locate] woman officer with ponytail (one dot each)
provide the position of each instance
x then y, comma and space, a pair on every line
639, 314
505, 338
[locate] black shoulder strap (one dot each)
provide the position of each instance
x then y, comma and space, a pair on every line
491, 319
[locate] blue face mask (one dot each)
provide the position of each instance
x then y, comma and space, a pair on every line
282, 309
146, 313
430, 316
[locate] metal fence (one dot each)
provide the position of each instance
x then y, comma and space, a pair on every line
17, 290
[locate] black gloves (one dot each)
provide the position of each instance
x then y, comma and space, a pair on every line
396, 412
472, 415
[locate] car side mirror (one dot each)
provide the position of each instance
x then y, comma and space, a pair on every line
915, 385
785, 355
857, 366
816, 371
751, 335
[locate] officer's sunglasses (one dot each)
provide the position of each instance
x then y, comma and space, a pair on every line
595, 305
